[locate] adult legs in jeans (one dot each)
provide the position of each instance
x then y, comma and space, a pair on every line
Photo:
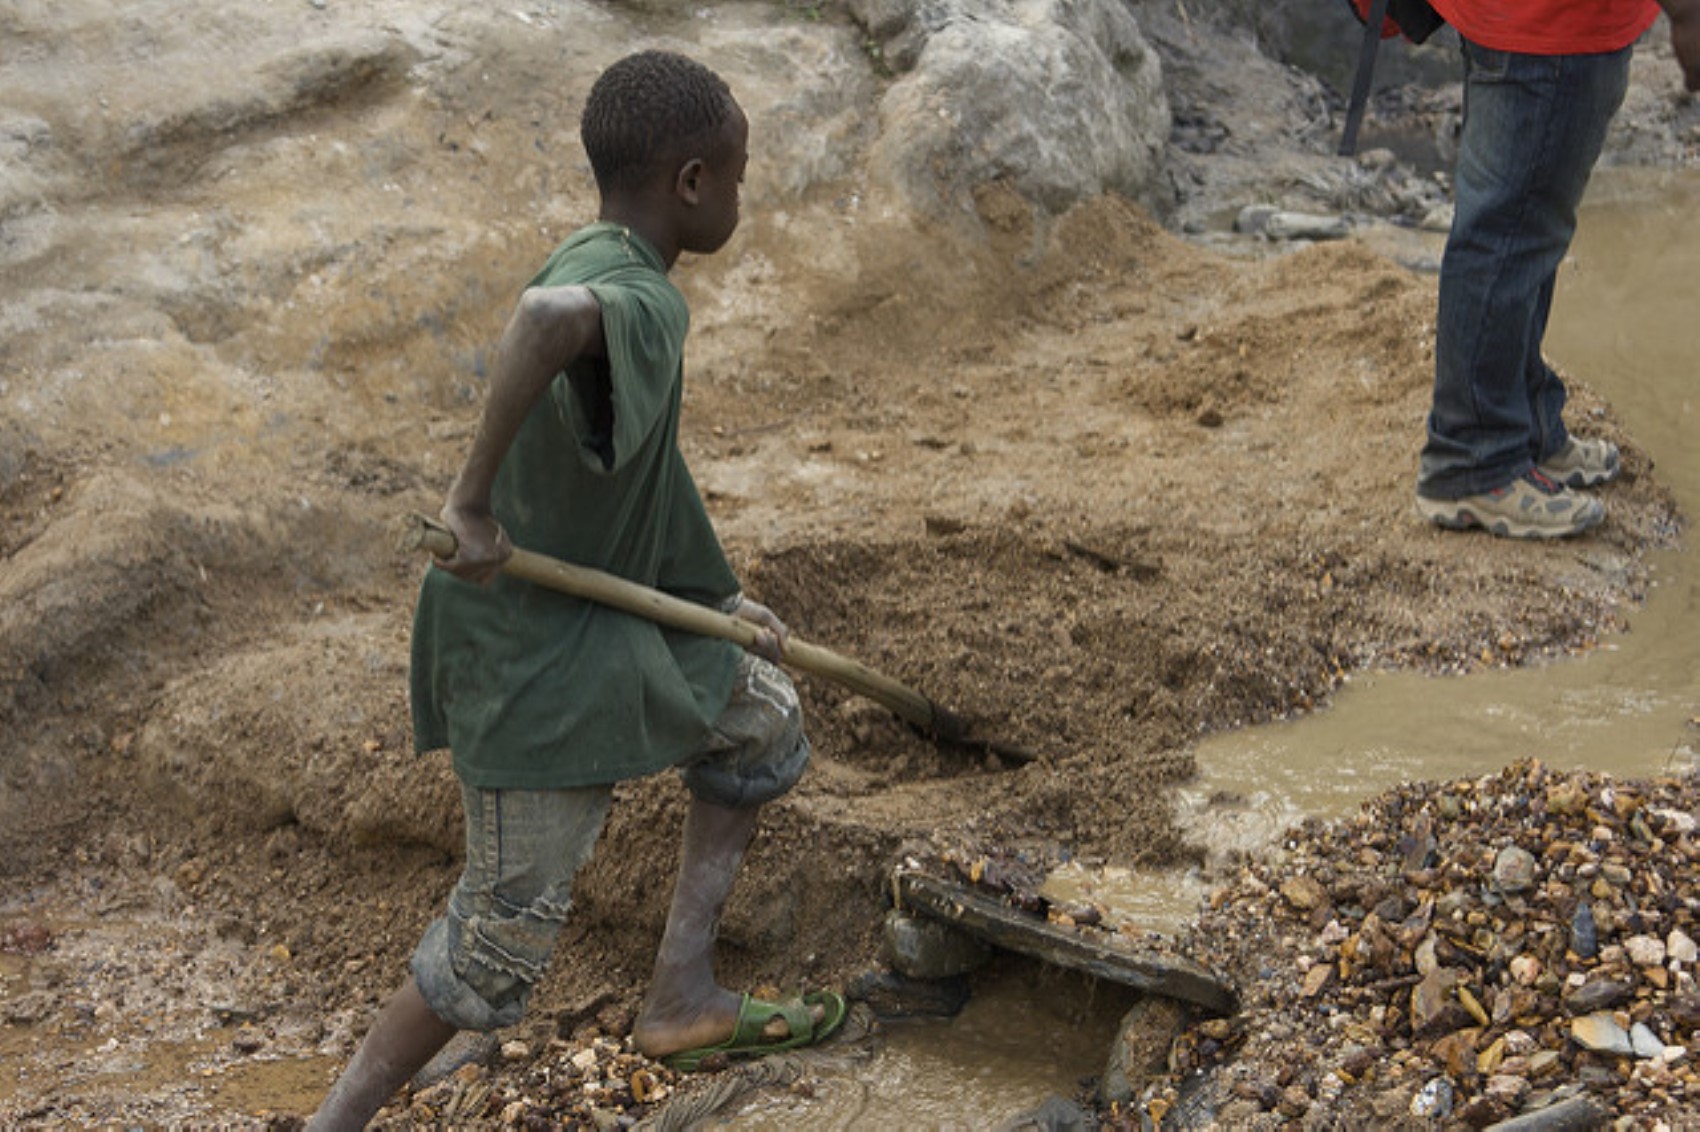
1533, 128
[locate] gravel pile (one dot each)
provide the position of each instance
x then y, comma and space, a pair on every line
1459, 954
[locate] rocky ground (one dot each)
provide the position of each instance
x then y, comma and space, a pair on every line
1057, 471
1463, 952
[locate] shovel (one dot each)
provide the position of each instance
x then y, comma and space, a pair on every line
938, 723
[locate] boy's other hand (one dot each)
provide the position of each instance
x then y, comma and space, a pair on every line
772, 633
481, 545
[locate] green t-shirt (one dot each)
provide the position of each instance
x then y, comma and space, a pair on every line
531, 688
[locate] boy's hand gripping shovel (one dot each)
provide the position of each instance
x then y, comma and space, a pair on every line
938, 723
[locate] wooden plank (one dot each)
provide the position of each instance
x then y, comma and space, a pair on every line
1110, 957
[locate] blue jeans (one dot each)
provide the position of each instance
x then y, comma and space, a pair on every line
1533, 128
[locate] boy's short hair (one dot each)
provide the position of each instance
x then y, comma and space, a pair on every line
644, 110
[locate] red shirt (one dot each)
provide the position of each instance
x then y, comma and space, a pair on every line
1550, 27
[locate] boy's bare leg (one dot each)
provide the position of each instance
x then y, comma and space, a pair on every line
404, 1037
685, 1007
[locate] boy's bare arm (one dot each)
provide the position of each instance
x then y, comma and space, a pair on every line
1685, 37
551, 327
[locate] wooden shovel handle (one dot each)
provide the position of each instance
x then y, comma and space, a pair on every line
421, 533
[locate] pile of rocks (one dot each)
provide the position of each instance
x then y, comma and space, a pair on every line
1460, 952
599, 1083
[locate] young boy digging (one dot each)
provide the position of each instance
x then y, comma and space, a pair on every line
545, 700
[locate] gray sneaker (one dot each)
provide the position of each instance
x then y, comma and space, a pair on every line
1581, 463
1530, 507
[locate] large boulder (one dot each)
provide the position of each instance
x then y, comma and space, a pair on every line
1061, 99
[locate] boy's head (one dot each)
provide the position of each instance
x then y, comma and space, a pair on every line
655, 117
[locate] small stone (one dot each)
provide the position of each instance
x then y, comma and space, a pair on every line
1491, 1058
1566, 798
1139, 1055
926, 949
1433, 1101
1508, 1090
1514, 870
1456, 1052
1520, 1043
1294, 1102
1645, 950
1266, 1094
1680, 948
1425, 960
891, 994
1253, 219
1597, 995
1378, 160
1481, 1112
1526, 969
1584, 938
1217, 1029
1431, 1003
645, 1088
1601, 994
1357, 1063
1675, 821
1304, 893
1473, 1005
1644, 1042
1305, 226
1601, 1033
248, 1039
1437, 219
1685, 1011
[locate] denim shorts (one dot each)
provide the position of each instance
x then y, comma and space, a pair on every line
477, 963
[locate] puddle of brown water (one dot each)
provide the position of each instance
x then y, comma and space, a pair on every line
1027, 1034
1623, 320
1151, 902
140, 1054
38, 1064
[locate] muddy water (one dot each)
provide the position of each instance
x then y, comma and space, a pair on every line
1025, 1035
1623, 319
